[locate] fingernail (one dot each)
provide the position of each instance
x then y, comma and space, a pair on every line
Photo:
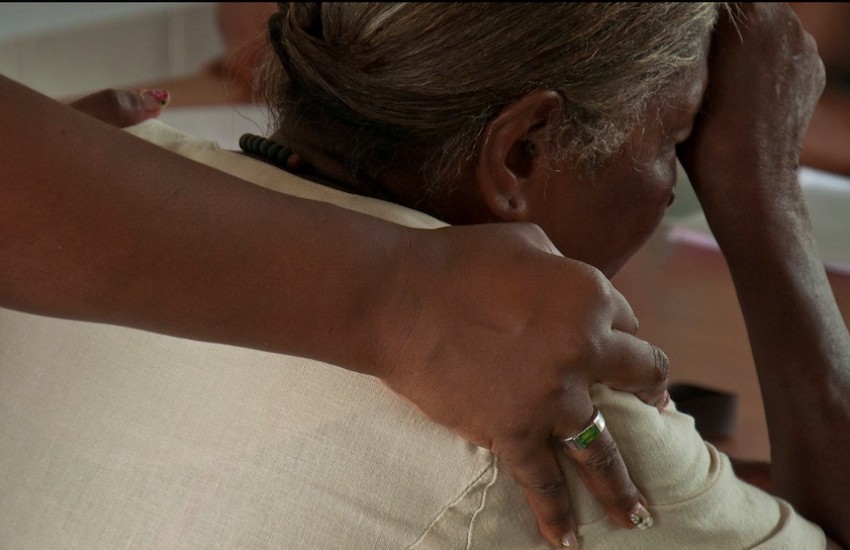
154, 100
664, 402
569, 540
641, 517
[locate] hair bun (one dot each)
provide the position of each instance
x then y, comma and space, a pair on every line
307, 16
291, 21
316, 58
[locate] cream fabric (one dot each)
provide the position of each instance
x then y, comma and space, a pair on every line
112, 438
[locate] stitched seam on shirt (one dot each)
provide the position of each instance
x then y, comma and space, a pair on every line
456, 501
483, 502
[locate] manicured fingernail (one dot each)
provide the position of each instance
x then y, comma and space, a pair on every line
569, 540
662, 403
666, 400
641, 517
154, 100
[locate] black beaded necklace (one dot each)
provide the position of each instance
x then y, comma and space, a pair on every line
270, 151
290, 161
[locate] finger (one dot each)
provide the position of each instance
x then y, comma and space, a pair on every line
603, 471
123, 108
636, 366
152, 102
624, 317
540, 476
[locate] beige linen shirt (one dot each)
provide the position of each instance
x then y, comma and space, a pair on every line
114, 438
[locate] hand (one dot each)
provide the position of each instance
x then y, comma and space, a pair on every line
507, 339
122, 108
765, 78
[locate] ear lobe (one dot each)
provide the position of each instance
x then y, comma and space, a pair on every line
512, 163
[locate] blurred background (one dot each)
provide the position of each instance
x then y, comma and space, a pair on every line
67, 49
63, 49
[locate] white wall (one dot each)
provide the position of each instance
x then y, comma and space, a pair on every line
63, 49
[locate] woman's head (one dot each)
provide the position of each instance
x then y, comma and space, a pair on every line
411, 91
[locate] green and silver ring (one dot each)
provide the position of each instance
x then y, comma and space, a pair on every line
588, 435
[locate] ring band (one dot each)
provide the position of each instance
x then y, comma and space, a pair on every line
588, 435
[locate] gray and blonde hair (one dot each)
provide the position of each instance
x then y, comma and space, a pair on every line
387, 82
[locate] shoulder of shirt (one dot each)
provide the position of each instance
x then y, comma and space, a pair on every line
273, 178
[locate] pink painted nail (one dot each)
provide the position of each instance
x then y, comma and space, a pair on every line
153, 100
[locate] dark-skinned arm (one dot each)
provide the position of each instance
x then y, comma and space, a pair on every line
742, 159
98, 225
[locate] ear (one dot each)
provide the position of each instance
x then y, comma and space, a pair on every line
513, 154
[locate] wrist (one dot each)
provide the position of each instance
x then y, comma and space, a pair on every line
399, 334
381, 305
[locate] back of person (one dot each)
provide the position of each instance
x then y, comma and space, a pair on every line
114, 437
